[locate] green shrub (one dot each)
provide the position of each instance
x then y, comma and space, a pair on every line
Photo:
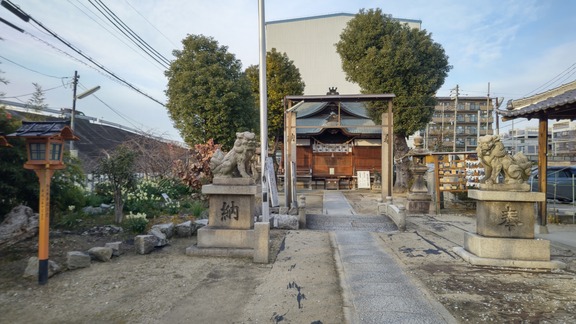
197, 207
135, 223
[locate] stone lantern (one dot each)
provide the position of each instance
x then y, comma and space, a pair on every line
418, 197
45, 148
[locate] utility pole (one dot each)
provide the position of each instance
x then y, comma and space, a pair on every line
72, 116
454, 94
487, 109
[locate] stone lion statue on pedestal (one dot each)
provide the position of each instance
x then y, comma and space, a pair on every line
495, 159
237, 162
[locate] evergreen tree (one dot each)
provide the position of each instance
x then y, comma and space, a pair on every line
209, 96
383, 55
17, 185
282, 79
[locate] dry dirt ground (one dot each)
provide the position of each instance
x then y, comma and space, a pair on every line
300, 285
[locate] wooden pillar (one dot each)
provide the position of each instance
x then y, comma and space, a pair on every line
287, 158
387, 152
542, 166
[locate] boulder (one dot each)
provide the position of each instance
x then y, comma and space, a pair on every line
145, 244
167, 229
161, 239
20, 223
184, 229
77, 260
199, 223
288, 222
115, 246
31, 271
101, 253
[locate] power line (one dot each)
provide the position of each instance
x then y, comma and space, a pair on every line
29, 94
31, 70
130, 34
568, 72
166, 37
91, 17
68, 44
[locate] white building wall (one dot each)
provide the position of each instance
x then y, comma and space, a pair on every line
310, 43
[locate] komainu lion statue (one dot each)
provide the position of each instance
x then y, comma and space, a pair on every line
237, 162
496, 160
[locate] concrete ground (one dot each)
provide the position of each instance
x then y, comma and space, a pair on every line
381, 272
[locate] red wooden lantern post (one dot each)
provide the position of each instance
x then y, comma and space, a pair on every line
44, 144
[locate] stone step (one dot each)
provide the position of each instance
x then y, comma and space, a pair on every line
350, 223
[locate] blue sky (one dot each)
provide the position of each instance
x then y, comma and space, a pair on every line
519, 47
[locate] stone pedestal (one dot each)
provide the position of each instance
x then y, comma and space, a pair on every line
505, 213
230, 230
505, 232
418, 197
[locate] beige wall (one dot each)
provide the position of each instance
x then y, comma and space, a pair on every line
309, 42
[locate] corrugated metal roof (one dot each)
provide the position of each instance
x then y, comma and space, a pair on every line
558, 103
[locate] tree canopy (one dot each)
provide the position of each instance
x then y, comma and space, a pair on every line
208, 94
119, 168
282, 79
383, 55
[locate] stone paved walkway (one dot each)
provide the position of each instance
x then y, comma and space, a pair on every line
376, 288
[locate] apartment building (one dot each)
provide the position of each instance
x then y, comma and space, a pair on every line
458, 128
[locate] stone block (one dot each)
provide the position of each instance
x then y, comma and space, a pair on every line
145, 244
231, 211
507, 214
507, 248
232, 181
31, 271
184, 229
115, 246
77, 260
261, 242
230, 189
506, 195
166, 228
418, 203
100, 253
288, 222
225, 238
161, 239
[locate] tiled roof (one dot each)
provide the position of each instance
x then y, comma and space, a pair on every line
558, 103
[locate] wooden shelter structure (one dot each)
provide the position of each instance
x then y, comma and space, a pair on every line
322, 137
558, 103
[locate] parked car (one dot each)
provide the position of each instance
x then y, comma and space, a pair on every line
561, 182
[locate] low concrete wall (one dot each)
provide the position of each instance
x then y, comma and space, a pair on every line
396, 213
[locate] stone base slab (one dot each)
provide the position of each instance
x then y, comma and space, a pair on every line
506, 195
219, 252
418, 203
504, 263
209, 237
233, 243
507, 248
232, 181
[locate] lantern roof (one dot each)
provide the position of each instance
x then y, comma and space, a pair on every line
45, 129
